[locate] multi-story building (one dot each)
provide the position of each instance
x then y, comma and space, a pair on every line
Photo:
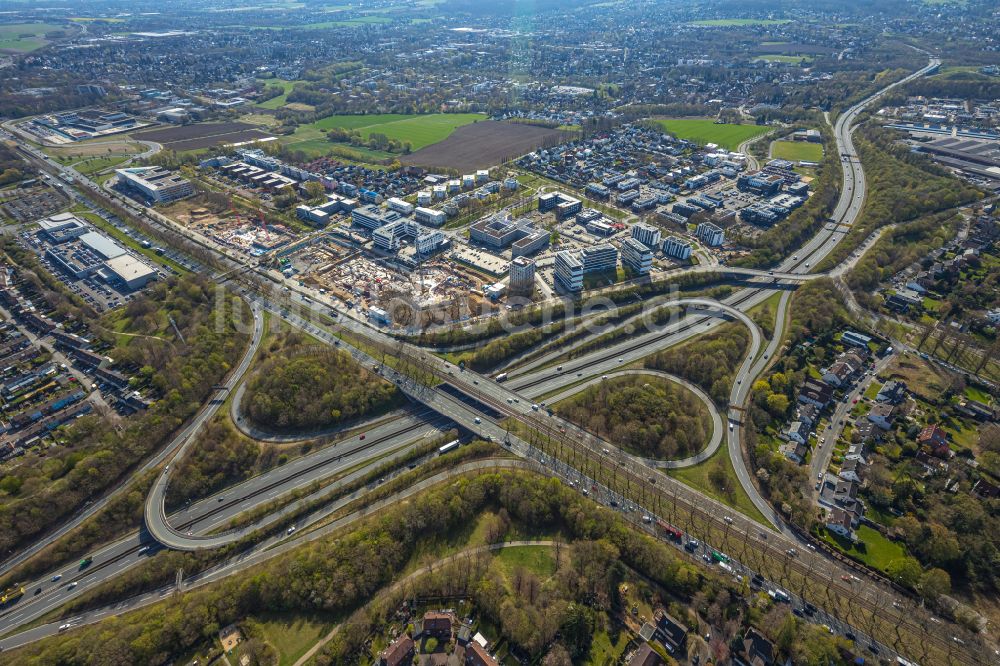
563, 204
522, 275
759, 182
677, 248
569, 271
599, 258
156, 183
430, 216
636, 256
710, 234
400, 206
646, 234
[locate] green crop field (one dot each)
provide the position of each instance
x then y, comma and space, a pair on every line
703, 130
789, 59
728, 23
420, 131
797, 151
25, 36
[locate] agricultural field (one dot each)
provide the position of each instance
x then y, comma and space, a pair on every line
484, 144
706, 130
797, 151
788, 59
24, 37
202, 135
419, 130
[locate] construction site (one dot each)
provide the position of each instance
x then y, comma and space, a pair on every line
437, 288
245, 232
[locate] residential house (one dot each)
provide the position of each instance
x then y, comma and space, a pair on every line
476, 655
882, 415
936, 441
808, 413
892, 392
841, 522
645, 656
839, 374
852, 469
798, 432
978, 410
932, 464
815, 392
757, 649
671, 633
796, 452
865, 431
401, 651
436, 624
986, 490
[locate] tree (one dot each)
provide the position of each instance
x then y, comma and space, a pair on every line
777, 404
314, 189
905, 571
934, 583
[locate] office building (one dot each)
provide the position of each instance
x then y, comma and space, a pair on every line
62, 227
677, 248
129, 271
759, 182
400, 206
568, 271
599, 258
522, 275
155, 183
434, 218
636, 256
563, 204
710, 234
646, 234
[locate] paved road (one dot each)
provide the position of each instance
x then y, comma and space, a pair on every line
216, 511
178, 443
260, 552
718, 428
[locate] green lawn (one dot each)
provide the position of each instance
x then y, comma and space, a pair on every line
978, 395
539, 560
94, 164
419, 130
25, 37
280, 100
698, 477
292, 635
797, 151
872, 391
359, 121
706, 130
733, 22
872, 548
789, 59
603, 651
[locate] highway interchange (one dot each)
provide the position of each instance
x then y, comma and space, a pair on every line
187, 529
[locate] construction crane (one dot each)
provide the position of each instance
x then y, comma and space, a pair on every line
263, 224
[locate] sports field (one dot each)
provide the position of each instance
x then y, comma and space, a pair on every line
797, 151
703, 130
25, 37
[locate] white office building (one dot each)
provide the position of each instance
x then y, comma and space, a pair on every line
599, 258
156, 183
710, 234
569, 271
522, 274
646, 234
677, 248
636, 256
400, 206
